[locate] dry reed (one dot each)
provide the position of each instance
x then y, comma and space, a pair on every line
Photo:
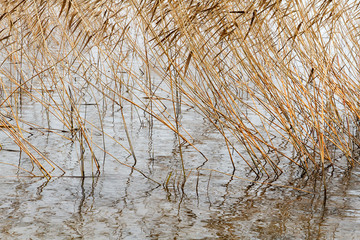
262, 72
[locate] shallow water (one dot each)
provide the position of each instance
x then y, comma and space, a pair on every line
122, 204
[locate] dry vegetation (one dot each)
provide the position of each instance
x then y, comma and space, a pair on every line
278, 79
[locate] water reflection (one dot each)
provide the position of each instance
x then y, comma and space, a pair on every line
125, 206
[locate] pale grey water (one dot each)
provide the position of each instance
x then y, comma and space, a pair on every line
120, 204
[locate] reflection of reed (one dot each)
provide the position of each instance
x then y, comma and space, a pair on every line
264, 74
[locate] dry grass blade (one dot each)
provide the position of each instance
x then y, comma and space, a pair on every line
264, 74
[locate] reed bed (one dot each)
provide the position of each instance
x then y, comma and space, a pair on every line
277, 79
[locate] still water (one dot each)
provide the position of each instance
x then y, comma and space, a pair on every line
123, 204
